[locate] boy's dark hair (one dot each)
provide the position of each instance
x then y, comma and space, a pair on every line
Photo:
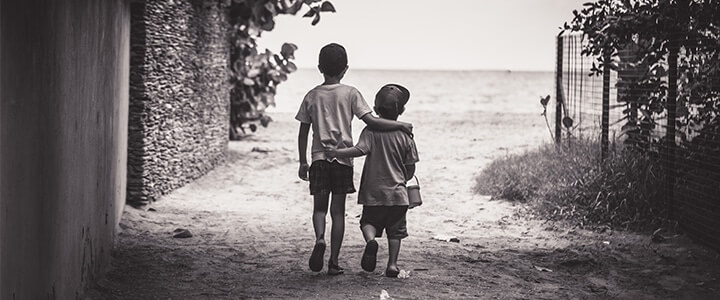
390, 100
333, 59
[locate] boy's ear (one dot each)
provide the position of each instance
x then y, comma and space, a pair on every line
401, 110
320, 69
342, 74
375, 108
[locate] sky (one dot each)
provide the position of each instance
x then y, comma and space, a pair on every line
517, 35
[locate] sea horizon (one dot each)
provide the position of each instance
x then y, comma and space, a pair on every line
364, 69
434, 90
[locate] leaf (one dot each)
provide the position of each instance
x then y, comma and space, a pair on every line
269, 99
310, 13
291, 7
327, 6
269, 25
270, 6
288, 50
544, 100
253, 73
248, 81
290, 67
278, 60
316, 20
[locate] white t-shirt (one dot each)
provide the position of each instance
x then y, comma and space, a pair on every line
330, 109
383, 176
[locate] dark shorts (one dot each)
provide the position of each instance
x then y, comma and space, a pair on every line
330, 177
390, 218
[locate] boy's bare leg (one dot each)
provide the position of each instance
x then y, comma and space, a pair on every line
320, 208
368, 232
394, 250
337, 231
369, 257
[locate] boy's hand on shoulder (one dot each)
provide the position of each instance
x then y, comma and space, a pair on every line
303, 171
407, 128
330, 152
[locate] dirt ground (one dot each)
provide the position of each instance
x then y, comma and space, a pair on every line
252, 234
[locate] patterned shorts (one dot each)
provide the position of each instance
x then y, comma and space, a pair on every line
330, 177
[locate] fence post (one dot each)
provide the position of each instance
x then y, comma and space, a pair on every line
559, 97
605, 126
670, 133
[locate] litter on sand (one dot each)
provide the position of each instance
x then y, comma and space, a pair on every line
384, 295
446, 238
404, 274
542, 269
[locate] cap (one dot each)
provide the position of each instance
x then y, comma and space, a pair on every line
391, 94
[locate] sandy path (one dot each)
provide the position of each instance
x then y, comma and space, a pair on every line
252, 233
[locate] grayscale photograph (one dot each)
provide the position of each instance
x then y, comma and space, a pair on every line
367, 149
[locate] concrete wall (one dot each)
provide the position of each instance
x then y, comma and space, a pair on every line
63, 140
179, 94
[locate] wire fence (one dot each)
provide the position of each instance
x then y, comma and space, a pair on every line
676, 118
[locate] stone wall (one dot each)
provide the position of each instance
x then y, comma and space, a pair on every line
179, 100
63, 140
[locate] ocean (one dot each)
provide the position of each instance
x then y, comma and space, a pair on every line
440, 91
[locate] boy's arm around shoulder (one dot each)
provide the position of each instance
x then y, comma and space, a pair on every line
381, 124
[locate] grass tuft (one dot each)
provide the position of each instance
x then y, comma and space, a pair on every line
570, 182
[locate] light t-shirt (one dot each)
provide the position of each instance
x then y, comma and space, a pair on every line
330, 109
383, 176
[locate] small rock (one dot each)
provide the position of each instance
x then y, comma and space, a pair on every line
261, 150
182, 233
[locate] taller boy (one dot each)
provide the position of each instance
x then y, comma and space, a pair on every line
329, 109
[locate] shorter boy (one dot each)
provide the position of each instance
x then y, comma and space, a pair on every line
390, 162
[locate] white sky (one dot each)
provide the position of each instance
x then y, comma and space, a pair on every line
420, 34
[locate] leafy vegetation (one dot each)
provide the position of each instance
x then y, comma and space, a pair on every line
571, 183
256, 74
638, 36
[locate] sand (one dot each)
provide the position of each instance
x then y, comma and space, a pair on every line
252, 235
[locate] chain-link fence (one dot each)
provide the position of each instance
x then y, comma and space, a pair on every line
670, 110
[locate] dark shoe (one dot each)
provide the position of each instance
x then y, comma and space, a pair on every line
334, 269
316, 258
392, 273
369, 258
